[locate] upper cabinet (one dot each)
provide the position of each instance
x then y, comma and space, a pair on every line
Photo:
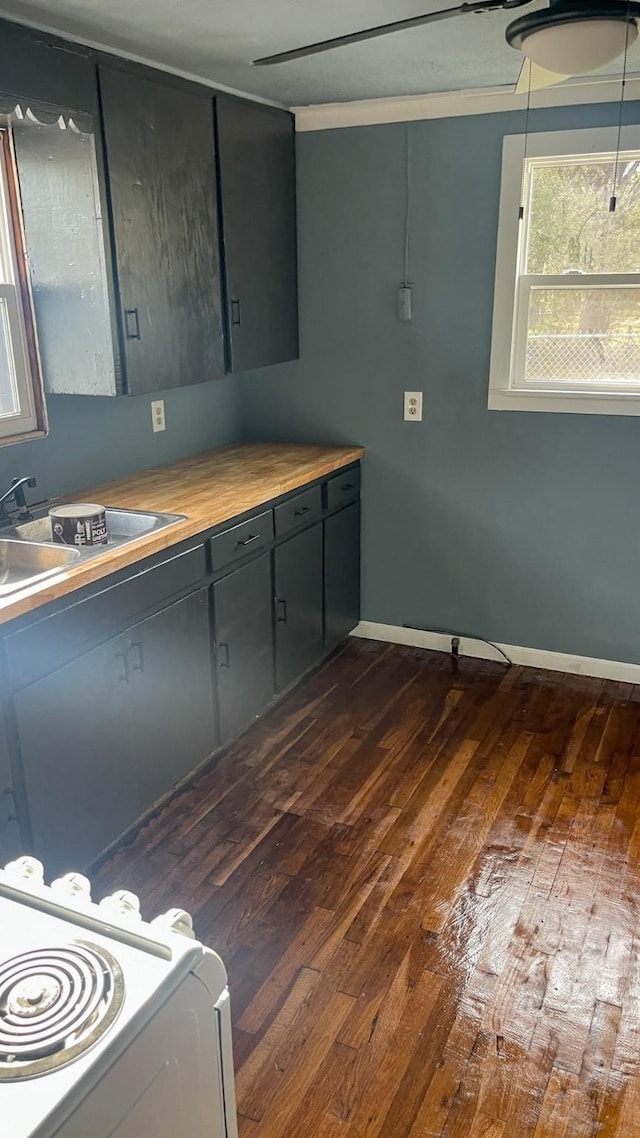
256, 147
67, 242
161, 165
35, 66
159, 220
49, 94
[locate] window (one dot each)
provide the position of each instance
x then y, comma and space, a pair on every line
566, 319
22, 412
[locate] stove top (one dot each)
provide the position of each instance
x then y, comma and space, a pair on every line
78, 981
54, 1004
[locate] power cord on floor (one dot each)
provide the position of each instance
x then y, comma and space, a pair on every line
457, 636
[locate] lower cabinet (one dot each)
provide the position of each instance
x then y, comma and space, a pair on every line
99, 741
76, 745
104, 737
341, 574
298, 605
243, 605
10, 845
171, 690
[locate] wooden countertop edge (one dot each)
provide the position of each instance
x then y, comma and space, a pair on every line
54, 588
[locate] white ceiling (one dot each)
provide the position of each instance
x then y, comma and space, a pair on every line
217, 39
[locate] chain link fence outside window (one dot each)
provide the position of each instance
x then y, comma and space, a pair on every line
585, 358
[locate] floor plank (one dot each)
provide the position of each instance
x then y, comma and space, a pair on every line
425, 884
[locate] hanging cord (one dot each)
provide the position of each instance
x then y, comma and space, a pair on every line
407, 216
613, 200
526, 143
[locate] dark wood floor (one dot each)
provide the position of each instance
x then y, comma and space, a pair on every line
425, 885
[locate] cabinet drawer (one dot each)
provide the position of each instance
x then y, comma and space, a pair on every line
51, 642
238, 542
305, 507
343, 489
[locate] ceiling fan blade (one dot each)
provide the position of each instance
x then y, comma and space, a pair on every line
386, 29
540, 78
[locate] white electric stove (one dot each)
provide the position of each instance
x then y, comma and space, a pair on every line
109, 1027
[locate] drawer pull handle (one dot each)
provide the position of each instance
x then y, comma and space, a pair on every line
301, 511
349, 486
248, 540
281, 611
236, 313
124, 674
224, 647
137, 648
132, 323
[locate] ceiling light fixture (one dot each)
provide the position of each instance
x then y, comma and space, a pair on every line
574, 37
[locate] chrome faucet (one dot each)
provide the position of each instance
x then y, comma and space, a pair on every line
16, 493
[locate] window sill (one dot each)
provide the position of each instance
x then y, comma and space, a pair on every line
564, 403
26, 437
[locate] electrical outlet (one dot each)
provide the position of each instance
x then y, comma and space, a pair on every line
157, 415
413, 406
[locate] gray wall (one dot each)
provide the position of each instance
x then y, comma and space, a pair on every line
516, 526
93, 439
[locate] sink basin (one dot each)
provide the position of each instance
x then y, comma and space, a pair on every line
24, 563
123, 526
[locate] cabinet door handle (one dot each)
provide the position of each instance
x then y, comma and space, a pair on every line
349, 486
248, 540
136, 647
9, 792
223, 647
131, 324
281, 611
236, 313
123, 677
301, 511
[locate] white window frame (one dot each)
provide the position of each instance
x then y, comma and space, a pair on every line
509, 333
30, 419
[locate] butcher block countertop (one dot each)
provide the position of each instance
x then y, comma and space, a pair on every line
209, 488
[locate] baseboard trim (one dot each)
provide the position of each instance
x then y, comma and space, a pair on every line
529, 657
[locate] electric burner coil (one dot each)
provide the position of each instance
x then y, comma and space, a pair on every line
55, 1003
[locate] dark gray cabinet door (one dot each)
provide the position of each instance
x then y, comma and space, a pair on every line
341, 574
256, 152
244, 645
55, 73
162, 176
171, 691
298, 605
75, 743
10, 845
